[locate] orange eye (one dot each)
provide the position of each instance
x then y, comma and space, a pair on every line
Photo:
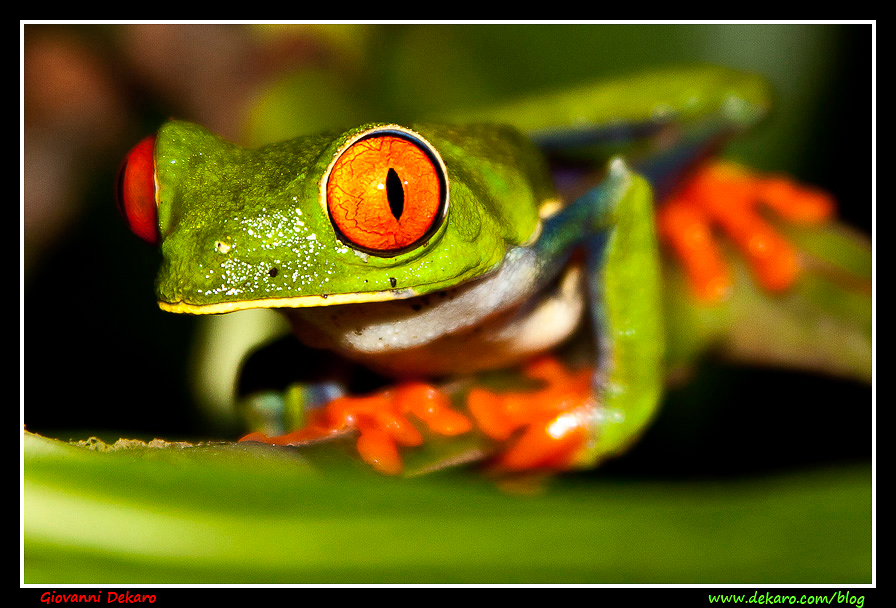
387, 193
136, 190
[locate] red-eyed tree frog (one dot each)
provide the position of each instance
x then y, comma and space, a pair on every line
441, 255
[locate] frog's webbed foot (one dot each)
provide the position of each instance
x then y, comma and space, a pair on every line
543, 427
728, 196
383, 422
546, 428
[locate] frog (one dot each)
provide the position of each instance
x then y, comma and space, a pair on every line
445, 257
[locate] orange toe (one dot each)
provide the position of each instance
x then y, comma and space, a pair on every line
378, 449
728, 197
795, 202
547, 427
686, 229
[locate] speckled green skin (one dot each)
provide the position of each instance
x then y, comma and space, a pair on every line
242, 225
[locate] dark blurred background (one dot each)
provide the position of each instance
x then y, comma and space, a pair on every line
101, 359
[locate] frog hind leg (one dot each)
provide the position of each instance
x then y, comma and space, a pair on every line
700, 196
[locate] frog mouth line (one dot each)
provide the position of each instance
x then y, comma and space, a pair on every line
309, 301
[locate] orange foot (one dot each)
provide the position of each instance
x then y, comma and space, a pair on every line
727, 195
382, 421
554, 422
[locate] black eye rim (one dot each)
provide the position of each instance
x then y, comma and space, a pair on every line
441, 173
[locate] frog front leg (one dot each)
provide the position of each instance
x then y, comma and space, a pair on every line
335, 398
581, 417
292, 394
282, 384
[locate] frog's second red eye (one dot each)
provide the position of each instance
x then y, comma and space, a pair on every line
387, 192
135, 192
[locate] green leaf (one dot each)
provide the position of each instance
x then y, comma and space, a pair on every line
823, 324
241, 513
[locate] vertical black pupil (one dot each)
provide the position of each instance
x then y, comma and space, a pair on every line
395, 193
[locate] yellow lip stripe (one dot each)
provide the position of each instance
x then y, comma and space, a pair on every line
293, 302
